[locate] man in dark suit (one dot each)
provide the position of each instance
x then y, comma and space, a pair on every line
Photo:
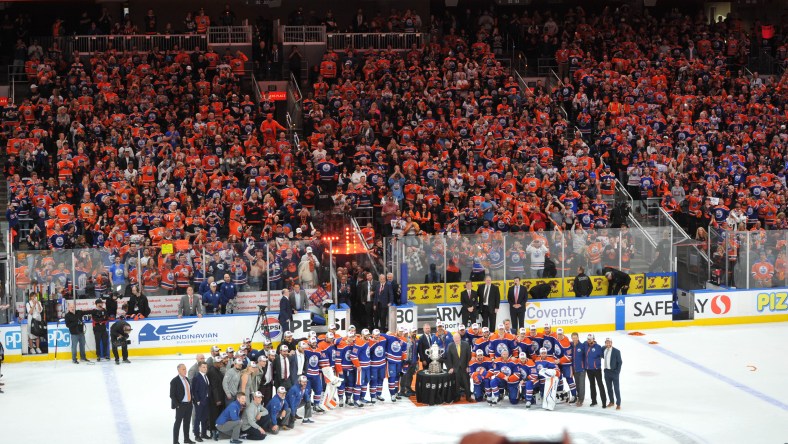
275, 63
470, 304
181, 402
425, 342
489, 301
458, 355
285, 368
517, 298
190, 305
366, 295
215, 378
382, 300
286, 310
201, 398
612, 367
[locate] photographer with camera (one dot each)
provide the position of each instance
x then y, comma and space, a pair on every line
76, 327
119, 333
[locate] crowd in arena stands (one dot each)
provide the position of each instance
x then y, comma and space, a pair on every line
439, 139
442, 139
132, 150
21, 47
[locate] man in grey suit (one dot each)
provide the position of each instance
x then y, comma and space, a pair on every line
190, 304
458, 355
299, 296
612, 366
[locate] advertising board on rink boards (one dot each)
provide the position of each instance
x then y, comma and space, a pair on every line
586, 314
427, 294
162, 336
718, 307
741, 306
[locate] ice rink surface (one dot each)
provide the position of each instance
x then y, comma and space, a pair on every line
697, 385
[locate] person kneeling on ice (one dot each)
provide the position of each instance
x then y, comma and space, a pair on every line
229, 421
256, 421
529, 378
478, 368
279, 411
504, 378
300, 395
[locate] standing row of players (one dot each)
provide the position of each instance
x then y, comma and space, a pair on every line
502, 363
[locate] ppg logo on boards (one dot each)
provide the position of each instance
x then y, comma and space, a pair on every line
59, 338
13, 340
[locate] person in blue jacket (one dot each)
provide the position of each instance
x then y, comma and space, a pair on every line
227, 292
229, 421
279, 411
297, 395
579, 367
211, 299
593, 363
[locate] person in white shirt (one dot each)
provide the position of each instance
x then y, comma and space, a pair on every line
537, 250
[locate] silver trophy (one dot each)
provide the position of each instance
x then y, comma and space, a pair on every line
435, 354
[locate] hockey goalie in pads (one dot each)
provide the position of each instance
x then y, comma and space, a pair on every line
550, 388
329, 400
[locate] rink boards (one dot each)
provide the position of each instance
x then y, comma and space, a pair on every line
170, 335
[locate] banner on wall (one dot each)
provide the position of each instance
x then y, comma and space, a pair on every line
659, 281
745, 303
430, 294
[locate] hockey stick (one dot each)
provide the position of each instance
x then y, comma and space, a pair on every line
57, 327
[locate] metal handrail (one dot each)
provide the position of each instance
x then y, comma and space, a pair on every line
230, 35
88, 44
357, 229
561, 83
297, 88
636, 225
680, 230
302, 34
360, 41
521, 81
623, 191
256, 87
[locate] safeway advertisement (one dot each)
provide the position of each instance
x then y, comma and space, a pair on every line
764, 302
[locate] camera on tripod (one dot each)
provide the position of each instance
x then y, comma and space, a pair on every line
262, 307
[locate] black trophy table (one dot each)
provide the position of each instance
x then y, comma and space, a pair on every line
438, 388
